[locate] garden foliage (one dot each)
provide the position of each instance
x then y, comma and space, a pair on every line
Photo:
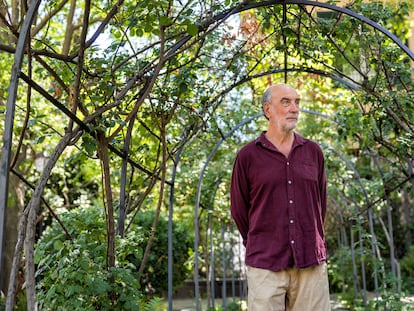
72, 272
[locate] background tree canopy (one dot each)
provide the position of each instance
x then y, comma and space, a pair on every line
120, 104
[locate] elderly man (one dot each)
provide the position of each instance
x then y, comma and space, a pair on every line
278, 202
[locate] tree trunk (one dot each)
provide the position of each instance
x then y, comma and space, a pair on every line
108, 203
69, 28
26, 237
14, 210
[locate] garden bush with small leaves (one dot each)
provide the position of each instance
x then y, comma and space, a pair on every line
72, 273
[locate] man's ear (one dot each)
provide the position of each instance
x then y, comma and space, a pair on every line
266, 108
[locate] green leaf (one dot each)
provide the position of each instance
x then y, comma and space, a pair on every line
57, 245
192, 29
165, 21
40, 139
89, 144
32, 122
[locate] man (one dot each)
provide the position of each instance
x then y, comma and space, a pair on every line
278, 202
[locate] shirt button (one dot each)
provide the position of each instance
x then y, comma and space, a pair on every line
292, 242
287, 163
290, 201
289, 182
291, 221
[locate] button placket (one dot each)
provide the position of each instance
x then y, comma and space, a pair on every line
290, 198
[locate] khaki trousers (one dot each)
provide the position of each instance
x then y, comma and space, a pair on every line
291, 290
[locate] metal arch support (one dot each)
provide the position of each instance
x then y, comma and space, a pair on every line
221, 17
5, 161
170, 220
370, 218
285, 56
9, 120
318, 72
361, 18
346, 11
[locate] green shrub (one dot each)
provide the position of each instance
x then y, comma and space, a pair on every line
154, 278
72, 274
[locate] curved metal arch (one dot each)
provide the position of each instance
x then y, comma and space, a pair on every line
242, 7
9, 121
318, 72
245, 7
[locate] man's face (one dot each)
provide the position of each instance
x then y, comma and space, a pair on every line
283, 111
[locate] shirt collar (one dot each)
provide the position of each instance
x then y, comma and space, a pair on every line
299, 140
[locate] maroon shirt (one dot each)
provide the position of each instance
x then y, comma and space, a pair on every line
279, 204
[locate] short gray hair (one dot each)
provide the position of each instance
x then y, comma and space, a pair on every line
267, 96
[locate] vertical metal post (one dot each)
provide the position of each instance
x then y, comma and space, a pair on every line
212, 267
9, 120
224, 263
170, 224
285, 54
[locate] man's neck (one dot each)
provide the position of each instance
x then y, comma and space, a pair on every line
280, 138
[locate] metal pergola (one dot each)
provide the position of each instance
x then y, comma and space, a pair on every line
18, 77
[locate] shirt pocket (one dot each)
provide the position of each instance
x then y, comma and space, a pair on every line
308, 171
